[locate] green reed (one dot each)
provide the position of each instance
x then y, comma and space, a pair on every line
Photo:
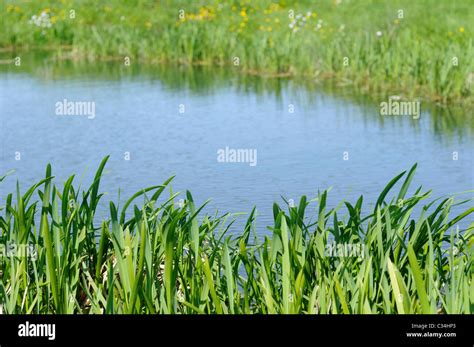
164, 257
411, 54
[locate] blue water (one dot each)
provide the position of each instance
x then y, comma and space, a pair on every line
297, 153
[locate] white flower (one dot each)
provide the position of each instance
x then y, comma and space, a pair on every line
308, 14
42, 21
378, 33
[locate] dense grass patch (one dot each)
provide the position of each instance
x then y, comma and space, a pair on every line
168, 257
411, 56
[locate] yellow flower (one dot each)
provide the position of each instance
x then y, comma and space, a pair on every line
243, 13
262, 27
54, 19
10, 8
46, 10
396, 21
17, 9
461, 29
277, 20
148, 24
269, 29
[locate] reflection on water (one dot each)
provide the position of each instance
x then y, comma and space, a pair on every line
298, 153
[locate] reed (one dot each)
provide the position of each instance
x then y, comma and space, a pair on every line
411, 54
163, 257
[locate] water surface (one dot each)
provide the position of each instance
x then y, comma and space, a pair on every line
138, 112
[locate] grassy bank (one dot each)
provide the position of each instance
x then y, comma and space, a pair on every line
167, 257
410, 54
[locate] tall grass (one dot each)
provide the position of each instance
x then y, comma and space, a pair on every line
168, 258
412, 56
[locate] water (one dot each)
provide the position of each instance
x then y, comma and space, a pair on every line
137, 111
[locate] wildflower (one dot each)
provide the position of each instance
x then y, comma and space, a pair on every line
378, 33
270, 29
42, 21
461, 29
148, 24
243, 13
396, 21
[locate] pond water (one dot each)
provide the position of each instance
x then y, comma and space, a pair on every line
139, 116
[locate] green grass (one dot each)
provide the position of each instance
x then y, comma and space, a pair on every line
412, 57
160, 257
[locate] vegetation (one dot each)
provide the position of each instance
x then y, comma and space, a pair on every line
171, 258
425, 51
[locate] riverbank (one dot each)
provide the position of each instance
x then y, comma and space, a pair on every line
391, 48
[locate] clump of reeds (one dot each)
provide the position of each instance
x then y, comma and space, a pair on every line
161, 257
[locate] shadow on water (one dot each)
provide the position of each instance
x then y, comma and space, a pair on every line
444, 122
